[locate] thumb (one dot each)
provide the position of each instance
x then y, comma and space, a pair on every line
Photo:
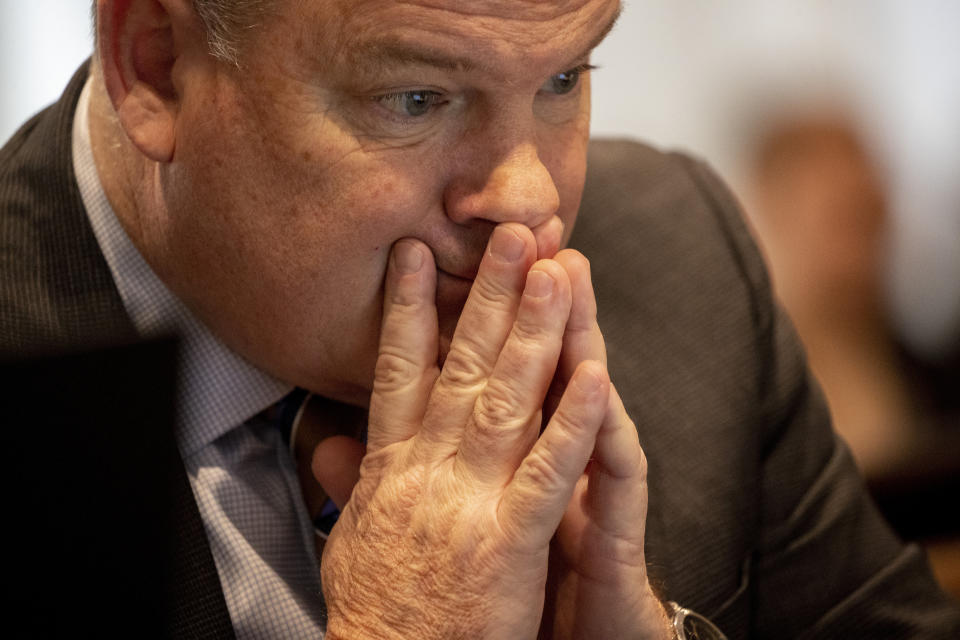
336, 466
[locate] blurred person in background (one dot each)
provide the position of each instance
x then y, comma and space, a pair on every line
820, 209
820, 206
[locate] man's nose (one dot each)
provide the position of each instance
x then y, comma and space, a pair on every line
515, 186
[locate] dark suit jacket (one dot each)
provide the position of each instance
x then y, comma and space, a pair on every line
757, 518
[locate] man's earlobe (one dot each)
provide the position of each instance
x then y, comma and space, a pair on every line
139, 43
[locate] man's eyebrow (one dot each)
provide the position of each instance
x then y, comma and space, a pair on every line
602, 35
374, 56
377, 55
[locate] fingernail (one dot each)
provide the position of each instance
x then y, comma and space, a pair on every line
506, 245
409, 257
539, 285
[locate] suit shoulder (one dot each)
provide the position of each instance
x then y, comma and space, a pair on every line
670, 205
55, 286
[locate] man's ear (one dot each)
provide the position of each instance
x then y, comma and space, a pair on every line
139, 43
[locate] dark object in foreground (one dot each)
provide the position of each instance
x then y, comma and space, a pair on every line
88, 452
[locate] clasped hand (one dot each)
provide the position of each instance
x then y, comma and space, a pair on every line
447, 533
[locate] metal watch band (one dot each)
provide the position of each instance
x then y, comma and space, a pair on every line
690, 625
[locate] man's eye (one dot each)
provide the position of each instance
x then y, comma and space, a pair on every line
565, 82
410, 104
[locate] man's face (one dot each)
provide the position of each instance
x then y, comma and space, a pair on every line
352, 124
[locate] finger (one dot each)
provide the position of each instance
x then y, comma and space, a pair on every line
537, 496
322, 423
506, 419
617, 485
484, 324
407, 359
549, 236
336, 467
582, 339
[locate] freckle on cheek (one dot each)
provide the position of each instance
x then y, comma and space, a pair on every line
383, 191
307, 156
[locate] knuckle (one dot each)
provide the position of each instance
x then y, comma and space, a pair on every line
462, 369
394, 370
498, 410
492, 294
530, 331
567, 424
405, 301
375, 466
541, 472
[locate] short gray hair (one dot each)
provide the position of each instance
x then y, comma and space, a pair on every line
226, 23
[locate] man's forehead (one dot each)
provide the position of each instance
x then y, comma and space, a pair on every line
541, 10
463, 36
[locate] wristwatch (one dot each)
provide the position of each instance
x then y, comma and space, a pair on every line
689, 625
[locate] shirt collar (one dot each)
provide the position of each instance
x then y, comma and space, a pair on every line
218, 389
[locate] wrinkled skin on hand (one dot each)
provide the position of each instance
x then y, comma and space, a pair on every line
447, 533
598, 585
